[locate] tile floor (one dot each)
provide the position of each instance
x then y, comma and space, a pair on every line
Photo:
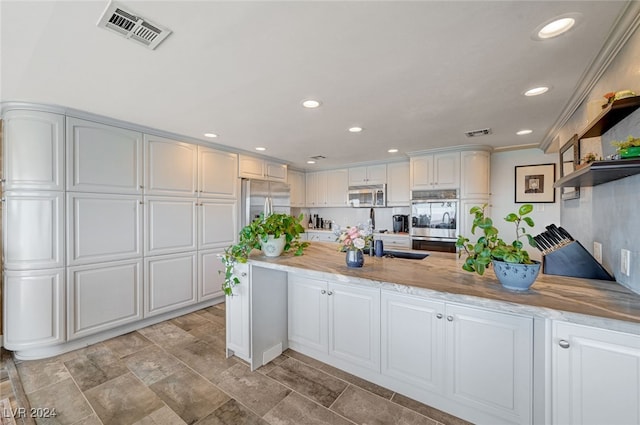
175, 372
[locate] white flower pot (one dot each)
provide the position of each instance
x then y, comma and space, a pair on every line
273, 246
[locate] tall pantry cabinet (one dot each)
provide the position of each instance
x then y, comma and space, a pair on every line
109, 227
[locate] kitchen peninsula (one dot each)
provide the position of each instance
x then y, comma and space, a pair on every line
451, 339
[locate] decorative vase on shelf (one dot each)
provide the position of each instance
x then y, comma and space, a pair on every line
355, 258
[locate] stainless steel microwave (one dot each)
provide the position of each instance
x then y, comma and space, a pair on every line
368, 196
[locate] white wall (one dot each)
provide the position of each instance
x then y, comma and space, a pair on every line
503, 194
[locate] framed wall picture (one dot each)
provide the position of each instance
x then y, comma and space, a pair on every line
534, 183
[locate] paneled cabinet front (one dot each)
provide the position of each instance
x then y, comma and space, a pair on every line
209, 280
217, 223
33, 235
101, 297
437, 171
217, 173
103, 227
171, 167
103, 158
33, 150
169, 282
475, 174
170, 225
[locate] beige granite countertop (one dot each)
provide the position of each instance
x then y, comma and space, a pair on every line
441, 273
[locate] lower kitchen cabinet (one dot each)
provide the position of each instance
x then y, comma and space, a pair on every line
477, 359
238, 318
169, 282
338, 320
595, 375
209, 280
33, 309
103, 296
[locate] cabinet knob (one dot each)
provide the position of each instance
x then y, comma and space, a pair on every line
323, 292
243, 274
141, 202
450, 318
141, 187
564, 343
439, 316
329, 293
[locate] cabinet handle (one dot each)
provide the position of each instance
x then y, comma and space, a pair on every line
564, 343
141, 187
323, 292
450, 318
329, 293
141, 202
243, 274
439, 315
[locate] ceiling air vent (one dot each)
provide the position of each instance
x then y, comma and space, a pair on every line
317, 157
125, 23
476, 133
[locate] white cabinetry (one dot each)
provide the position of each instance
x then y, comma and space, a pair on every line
398, 192
216, 173
33, 226
170, 225
478, 359
257, 168
436, 171
298, 185
372, 174
320, 235
475, 174
209, 280
338, 320
33, 151
169, 282
103, 158
466, 219
33, 310
327, 188
171, 167
596, 375
394, 241
238, 319
217, 220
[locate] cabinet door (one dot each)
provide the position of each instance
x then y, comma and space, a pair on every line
446, 170
217, 223
169, 282
33, 236
33, 306
102, 158
103, 228
421, 172
596, 376
275, 172
413, 340
474, 171
238, 315
354, 324
321, 189
170, 225
101, 297
489, 361
311, 189
250, 167
466, 219
172, 167
217, 173
307, 312
337, 187
398, 185
33, 150
357, 176
209, 280
297, 183
377, 174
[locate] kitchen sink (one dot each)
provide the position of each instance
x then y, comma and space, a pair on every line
404, 254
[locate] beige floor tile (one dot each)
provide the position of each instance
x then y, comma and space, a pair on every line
63, 397
166, 334
232, 413
89, 420
162, 416
94, 367
36, 374
189, 321
152, 364
296, 409
213, 333
204, 358
127, 344
429, 411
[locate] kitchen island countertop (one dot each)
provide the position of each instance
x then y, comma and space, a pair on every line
439, 276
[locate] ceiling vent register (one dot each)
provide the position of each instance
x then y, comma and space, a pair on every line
125, 23
476, 133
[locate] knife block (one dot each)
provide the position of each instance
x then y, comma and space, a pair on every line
575, 261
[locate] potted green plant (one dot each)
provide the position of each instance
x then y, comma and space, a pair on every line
273, 234
512, 265
629, 148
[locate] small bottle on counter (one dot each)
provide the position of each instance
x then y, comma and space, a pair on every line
310, 225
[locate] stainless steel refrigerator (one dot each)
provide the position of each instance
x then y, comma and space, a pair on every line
259, 195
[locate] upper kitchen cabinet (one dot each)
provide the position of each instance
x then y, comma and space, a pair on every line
172, 167
33, 150
327, 188
103, 158
475, 176
398, 193
257, 168
217, 173
297, 184
435, 171
372, 174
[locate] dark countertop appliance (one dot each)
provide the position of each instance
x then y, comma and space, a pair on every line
400, 223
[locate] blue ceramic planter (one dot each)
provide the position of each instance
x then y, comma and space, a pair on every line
355, 258
517, 277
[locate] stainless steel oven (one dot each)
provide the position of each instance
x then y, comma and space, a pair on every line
434, 220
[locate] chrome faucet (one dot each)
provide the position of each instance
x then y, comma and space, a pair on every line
448, 218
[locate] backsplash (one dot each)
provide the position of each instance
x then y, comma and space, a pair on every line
352, 216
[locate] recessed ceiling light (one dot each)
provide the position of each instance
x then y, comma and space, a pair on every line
310, 103
210, 135
392, 150
260, 148
311, 161
536, 91
355, 129
524, 132
556, 27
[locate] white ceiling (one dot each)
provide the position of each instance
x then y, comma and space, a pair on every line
416, 75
